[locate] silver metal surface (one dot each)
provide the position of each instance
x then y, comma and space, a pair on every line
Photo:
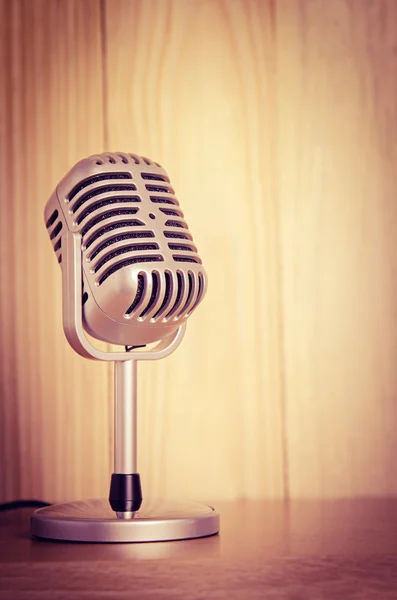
73, 318
94, 521
125, 417
141, 271
125, 515
131, 276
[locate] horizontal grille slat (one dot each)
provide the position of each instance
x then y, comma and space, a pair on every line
109, 215
95, 179
56, 230
173, 235
180, 247
155, 177
119, 225
120, 238
163, 200
52, 219
106, 189
159, 188
171, 223
186, 259
129, 261
170, 213
102, 203
124, 250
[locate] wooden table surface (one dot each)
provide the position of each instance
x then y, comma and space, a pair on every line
302, 550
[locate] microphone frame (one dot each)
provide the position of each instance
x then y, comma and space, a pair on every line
119, 519
72, 269
125, 493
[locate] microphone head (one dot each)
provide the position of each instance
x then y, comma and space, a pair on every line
142, 275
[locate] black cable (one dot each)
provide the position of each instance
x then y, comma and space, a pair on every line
23, 504
129, 348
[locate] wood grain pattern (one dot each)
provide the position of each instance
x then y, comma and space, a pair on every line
277, 121
303, 550
277, 127
54, 417
336, 151
191, 85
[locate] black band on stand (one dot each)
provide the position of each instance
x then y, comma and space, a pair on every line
125, 492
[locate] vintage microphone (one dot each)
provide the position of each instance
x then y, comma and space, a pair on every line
131, 276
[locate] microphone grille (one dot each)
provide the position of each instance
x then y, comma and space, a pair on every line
134, 235
182, 294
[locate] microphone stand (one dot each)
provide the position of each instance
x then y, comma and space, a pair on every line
125, 495
124, 517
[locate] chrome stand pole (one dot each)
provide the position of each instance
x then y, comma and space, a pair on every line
125, 491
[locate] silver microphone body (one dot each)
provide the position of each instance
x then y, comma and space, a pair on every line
142, 275
131, 276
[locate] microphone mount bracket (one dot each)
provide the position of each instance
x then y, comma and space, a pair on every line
125, 495
72, 266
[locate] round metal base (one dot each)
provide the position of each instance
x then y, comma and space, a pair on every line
94, 521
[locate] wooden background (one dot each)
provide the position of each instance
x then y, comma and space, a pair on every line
277, 121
